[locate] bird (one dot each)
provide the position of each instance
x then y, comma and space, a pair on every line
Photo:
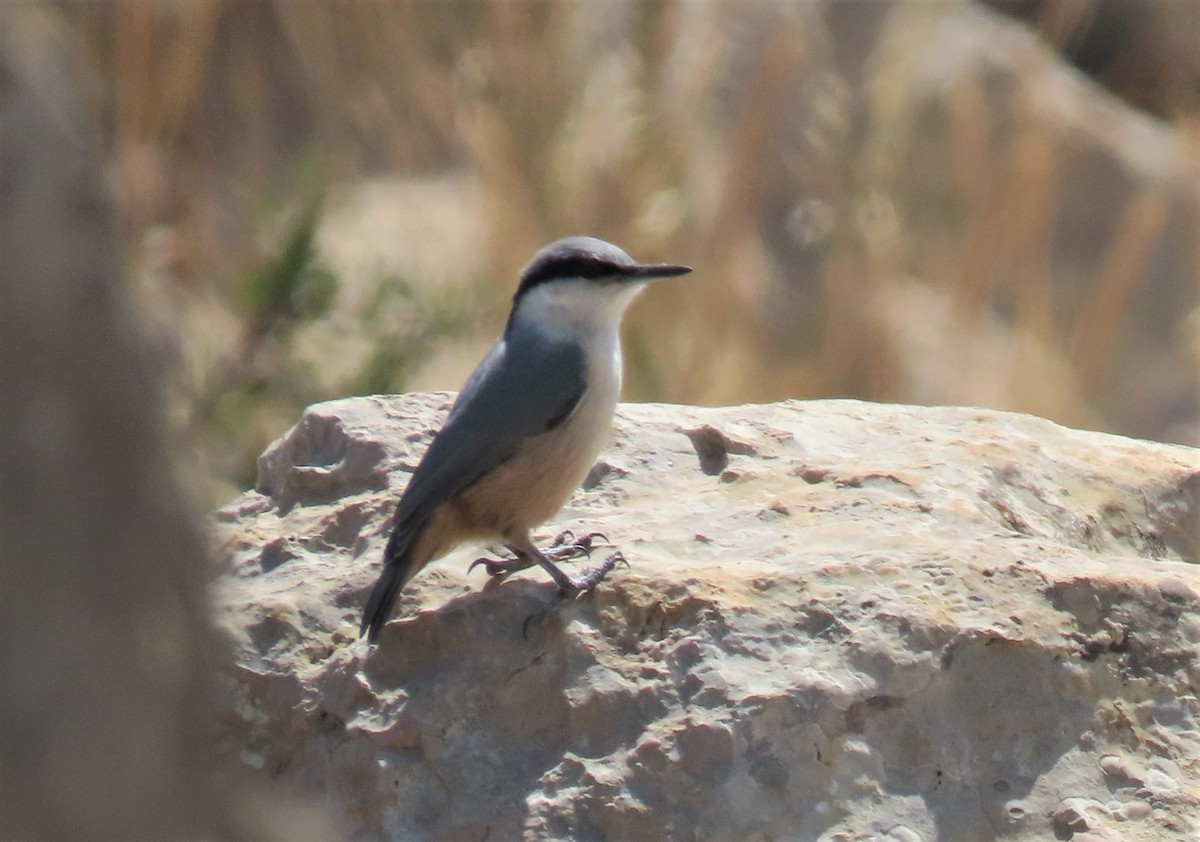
526, 428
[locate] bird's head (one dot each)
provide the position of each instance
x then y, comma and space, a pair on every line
583, 282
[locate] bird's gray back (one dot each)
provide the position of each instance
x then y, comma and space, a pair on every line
528, 383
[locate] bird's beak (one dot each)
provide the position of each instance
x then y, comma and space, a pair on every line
655, 271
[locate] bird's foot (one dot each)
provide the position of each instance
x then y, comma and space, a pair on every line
564, 548
567, 548
570, 587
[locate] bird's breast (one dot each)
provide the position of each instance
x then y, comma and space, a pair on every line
531, 487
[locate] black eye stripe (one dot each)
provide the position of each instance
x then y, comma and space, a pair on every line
557, 266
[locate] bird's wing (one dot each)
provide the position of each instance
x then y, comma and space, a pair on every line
523, 387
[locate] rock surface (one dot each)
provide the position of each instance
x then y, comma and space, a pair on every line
841, 621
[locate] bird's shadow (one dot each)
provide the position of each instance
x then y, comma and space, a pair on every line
502, 618
476, 671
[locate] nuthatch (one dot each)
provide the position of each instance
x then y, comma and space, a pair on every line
527, 425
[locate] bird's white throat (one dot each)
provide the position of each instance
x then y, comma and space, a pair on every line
577, 308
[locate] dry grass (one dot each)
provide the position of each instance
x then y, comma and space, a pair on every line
877, 205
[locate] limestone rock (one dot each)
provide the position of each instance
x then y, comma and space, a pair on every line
840, 621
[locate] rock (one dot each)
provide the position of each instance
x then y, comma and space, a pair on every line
1075, 815
894, 622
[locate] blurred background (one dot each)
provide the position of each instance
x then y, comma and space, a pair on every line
985, 203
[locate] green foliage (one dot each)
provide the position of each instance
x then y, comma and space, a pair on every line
291, 288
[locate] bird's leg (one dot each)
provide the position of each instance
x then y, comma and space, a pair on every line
568, 586
591, 576
564, 548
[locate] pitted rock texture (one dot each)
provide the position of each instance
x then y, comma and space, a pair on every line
841, 621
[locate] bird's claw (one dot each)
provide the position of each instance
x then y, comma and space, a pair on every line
562, 538
494, 566
567, 547
592, 576
564, 548
570, 588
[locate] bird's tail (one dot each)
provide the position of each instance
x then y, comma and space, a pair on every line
397, 570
